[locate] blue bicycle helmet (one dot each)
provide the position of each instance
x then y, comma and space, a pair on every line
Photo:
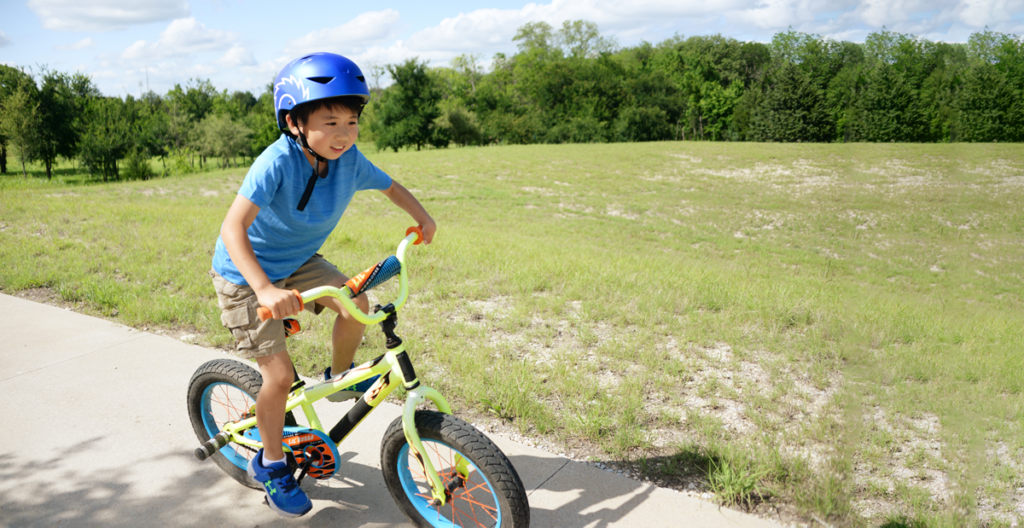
315, 76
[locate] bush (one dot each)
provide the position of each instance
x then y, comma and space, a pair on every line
643, 123
586, 129
137, 166
460, 125
181, 161
513, 129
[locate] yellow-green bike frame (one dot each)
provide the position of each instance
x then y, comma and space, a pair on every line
394, 362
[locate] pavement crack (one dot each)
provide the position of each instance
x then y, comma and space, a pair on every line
541, 485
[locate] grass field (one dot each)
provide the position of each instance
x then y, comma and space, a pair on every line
821, 330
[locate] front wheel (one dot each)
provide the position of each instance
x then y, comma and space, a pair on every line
491, 495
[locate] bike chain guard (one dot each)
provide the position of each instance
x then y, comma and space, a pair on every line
311, 449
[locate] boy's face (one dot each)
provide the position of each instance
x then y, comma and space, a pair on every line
331, 131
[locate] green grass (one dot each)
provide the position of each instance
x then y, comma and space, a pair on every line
831, 325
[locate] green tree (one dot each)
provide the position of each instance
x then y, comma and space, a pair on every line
57, 117
18, 123
889, 107
581, 39
459, 124
643, 124
221, 136
108, 136
535, 37
408, 109
792, 109
712, 68
10, 80
841, 100
196, 100
988, 107
938, 90
262, 123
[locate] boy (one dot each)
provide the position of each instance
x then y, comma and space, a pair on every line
270, 237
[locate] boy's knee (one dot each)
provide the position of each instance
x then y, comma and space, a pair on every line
277, 372
363, 302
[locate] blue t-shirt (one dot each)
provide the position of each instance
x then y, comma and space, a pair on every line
283, 237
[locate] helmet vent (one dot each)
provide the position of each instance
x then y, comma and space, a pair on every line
321, 80
361, 78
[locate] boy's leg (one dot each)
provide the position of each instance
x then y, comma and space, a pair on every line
263, 342
347, 332
277, 373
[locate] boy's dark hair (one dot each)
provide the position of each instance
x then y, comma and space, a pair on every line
301, 113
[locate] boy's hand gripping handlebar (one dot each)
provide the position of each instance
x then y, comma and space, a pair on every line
374, 276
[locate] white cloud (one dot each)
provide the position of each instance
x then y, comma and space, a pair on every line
85, 43
980, 13
363, 30
105, 15
182, 37
237, 56
878, 13
265, 71
491, 30
4, 39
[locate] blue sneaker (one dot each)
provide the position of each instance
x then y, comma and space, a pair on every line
349, 393
283, 494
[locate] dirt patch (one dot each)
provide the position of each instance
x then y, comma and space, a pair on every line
45, 296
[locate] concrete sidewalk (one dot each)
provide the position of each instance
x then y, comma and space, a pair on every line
96, 432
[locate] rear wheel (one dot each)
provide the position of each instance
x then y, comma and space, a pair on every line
491, 494
223, 391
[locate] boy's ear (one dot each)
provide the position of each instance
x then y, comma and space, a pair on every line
291, 124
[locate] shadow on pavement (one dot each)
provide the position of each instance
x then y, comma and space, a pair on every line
53, 495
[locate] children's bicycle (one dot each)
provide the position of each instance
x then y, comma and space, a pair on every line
440, 470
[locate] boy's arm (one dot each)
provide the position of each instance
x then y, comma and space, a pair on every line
404, 199
234, 233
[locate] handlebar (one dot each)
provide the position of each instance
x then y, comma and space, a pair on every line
374, 276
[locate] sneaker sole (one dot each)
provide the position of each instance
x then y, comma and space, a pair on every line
344, 395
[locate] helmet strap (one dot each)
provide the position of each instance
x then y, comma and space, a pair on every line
312, 178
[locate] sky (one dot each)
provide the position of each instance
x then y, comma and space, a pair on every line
130, 46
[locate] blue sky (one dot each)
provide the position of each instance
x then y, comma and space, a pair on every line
241, 44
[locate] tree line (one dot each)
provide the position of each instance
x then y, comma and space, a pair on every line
65, 116
573, 85
568, 85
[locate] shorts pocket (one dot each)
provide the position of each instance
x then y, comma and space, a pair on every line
239, 321
237, 317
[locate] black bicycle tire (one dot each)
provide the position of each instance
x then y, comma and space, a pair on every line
475, 446
246, 379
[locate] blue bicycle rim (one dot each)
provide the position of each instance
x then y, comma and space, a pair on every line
422, 504
211, 426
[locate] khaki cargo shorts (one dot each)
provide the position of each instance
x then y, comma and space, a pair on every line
255, 338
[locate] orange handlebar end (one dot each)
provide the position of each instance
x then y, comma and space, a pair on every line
265, 313
419, 231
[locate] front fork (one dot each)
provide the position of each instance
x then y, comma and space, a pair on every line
414, 398
417, 394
